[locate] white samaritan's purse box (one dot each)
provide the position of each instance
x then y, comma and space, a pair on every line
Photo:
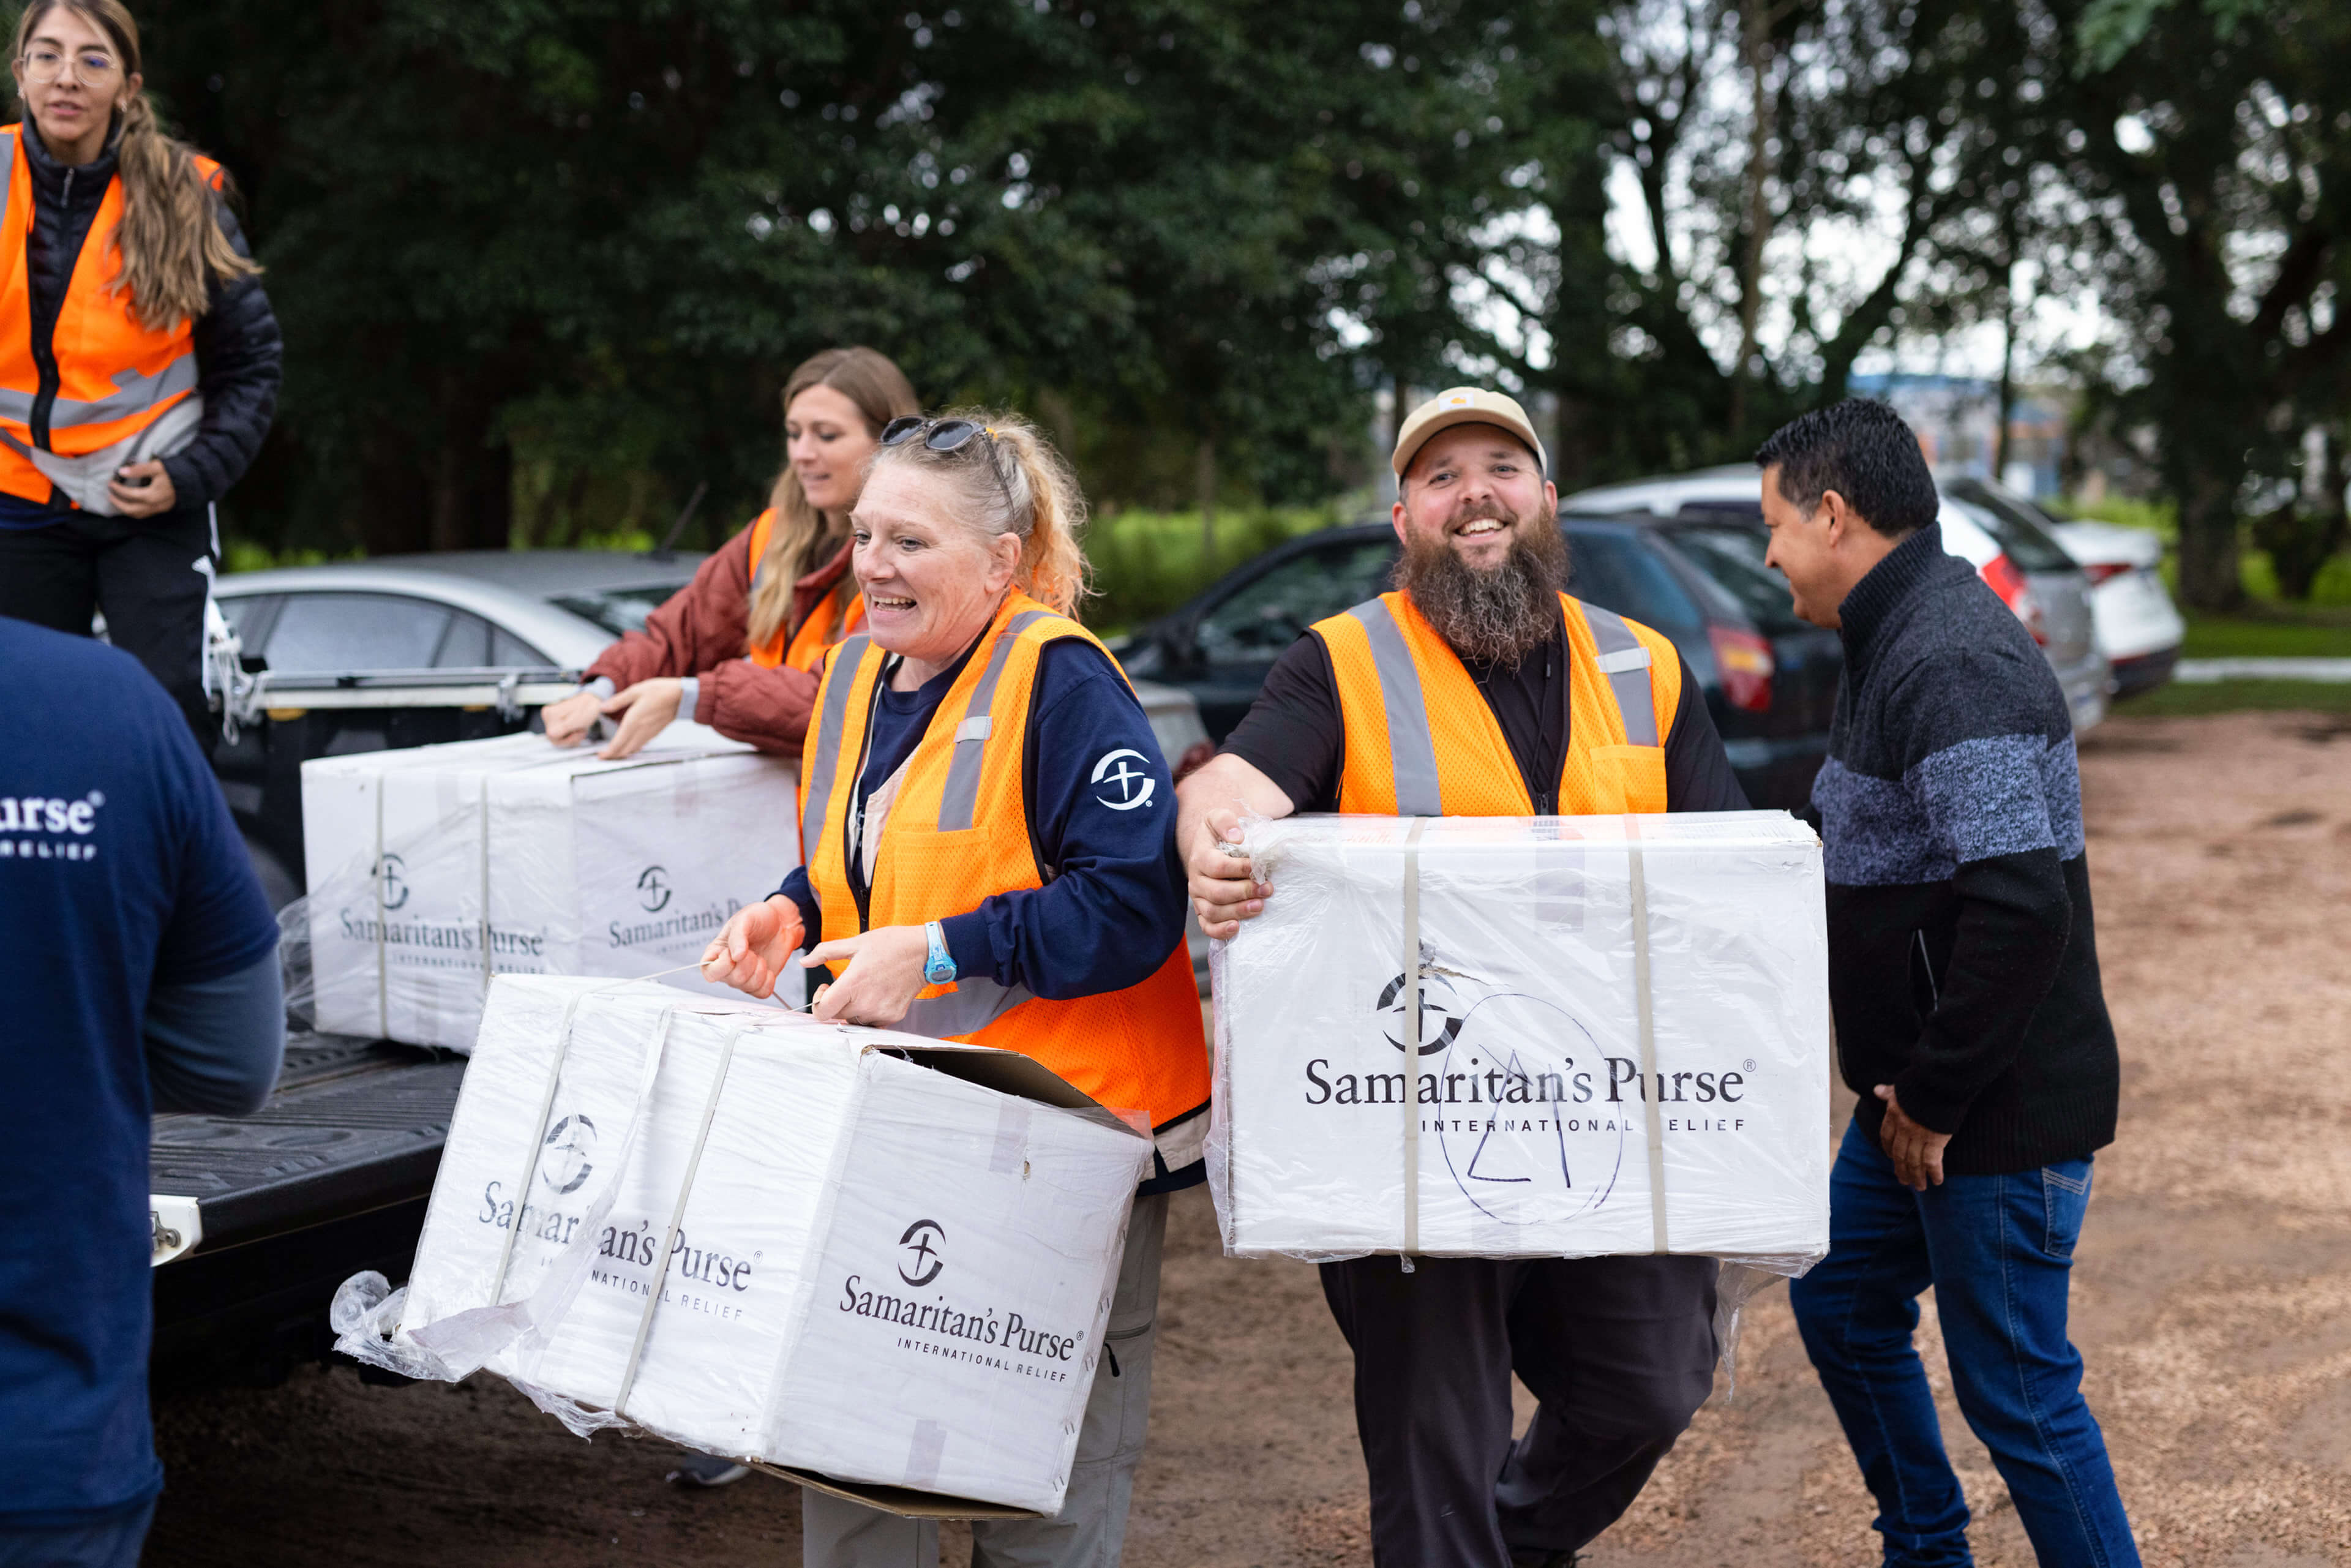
1623, 1043
432, 869
890, 1261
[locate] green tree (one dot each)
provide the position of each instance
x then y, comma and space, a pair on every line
2216, 136
568, 251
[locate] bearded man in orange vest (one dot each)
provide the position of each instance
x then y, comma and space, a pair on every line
1480, 688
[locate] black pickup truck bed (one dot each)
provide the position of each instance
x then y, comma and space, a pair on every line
330, 1177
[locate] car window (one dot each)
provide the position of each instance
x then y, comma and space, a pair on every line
248, 616
1732, 558
336, 634
2022, 528
509, 652
466, 645
1255, 622
473, 644
619, 611
1617, 571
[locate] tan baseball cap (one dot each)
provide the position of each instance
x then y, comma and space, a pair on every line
1464, 406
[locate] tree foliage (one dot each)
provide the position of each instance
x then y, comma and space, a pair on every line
543, 266
568, 252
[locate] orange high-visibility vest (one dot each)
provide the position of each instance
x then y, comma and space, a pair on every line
829, 620
115, 377
957, 832
1423, 742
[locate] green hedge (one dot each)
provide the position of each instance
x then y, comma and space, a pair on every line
1147, 563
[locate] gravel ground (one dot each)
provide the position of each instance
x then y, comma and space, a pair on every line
2212, 1299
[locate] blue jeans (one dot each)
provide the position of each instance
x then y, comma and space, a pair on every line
1997, 1250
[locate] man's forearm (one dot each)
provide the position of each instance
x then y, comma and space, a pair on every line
1225, 783
215, 1045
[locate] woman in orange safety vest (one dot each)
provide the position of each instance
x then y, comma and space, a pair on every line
737, 647
138, 358
989, 836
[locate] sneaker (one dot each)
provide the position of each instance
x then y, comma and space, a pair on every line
707, 1470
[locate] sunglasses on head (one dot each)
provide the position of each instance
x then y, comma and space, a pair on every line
949, 436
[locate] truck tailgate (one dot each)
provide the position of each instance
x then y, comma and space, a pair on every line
330, 1177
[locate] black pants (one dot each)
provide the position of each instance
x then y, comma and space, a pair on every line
151, 576
1619, 1351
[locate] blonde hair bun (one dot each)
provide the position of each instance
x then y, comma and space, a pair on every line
1013, 480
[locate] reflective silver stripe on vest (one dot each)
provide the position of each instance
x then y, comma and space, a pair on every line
961, 796
1410, 751
971, 1007
828, 751
137, 394
1624, 660
7, 166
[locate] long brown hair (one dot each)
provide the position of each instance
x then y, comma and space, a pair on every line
170, 238
798, 543
1012, 482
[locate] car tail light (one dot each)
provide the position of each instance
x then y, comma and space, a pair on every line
1744, 661
2017, 594
2103, 570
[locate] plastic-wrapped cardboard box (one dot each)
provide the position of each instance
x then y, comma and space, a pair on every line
879, 1259
431, 870
1621, 1043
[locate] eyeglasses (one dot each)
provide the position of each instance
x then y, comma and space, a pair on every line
949, 436
89, 66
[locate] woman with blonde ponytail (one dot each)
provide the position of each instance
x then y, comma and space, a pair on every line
988, 832
734, 648
139, 356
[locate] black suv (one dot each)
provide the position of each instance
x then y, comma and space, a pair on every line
1769, 679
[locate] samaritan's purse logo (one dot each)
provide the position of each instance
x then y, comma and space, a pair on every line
924, 1262
1440, 1012
652, 888
389, 871
1121, 780
569, 1144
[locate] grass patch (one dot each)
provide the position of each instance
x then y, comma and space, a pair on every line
244, 555
1147, 563
2180, 699
2269, 631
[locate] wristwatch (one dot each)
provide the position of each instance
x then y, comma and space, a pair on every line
940, 966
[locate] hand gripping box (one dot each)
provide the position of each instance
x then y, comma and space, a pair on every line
1621, 1043
432, 869
875, 1261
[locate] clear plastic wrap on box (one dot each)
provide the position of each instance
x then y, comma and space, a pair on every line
883, 1258
434, 868
1622, 1041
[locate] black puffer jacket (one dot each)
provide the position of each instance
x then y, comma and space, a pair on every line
238, 349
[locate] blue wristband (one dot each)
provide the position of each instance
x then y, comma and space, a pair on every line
939, 968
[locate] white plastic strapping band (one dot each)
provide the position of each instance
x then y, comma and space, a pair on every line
1646, 1007
676, 1217
1412, 1039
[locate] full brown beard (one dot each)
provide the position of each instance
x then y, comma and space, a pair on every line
1498, 615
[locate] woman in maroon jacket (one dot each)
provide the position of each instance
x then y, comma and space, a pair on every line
737, 648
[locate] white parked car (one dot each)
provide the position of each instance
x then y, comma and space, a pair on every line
2139, 626
2030, 571
406, 650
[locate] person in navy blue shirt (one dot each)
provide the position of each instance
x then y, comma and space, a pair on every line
138, 959
1115, 904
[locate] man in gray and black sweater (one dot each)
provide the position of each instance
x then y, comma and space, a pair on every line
1963, 973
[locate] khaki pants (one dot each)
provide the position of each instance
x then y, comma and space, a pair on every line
1090, 1530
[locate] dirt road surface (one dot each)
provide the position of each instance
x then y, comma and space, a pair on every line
2212, 1299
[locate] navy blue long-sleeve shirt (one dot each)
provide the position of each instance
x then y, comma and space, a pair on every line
1102, 814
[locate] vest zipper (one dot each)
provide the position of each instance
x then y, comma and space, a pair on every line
44, 345
851, 846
